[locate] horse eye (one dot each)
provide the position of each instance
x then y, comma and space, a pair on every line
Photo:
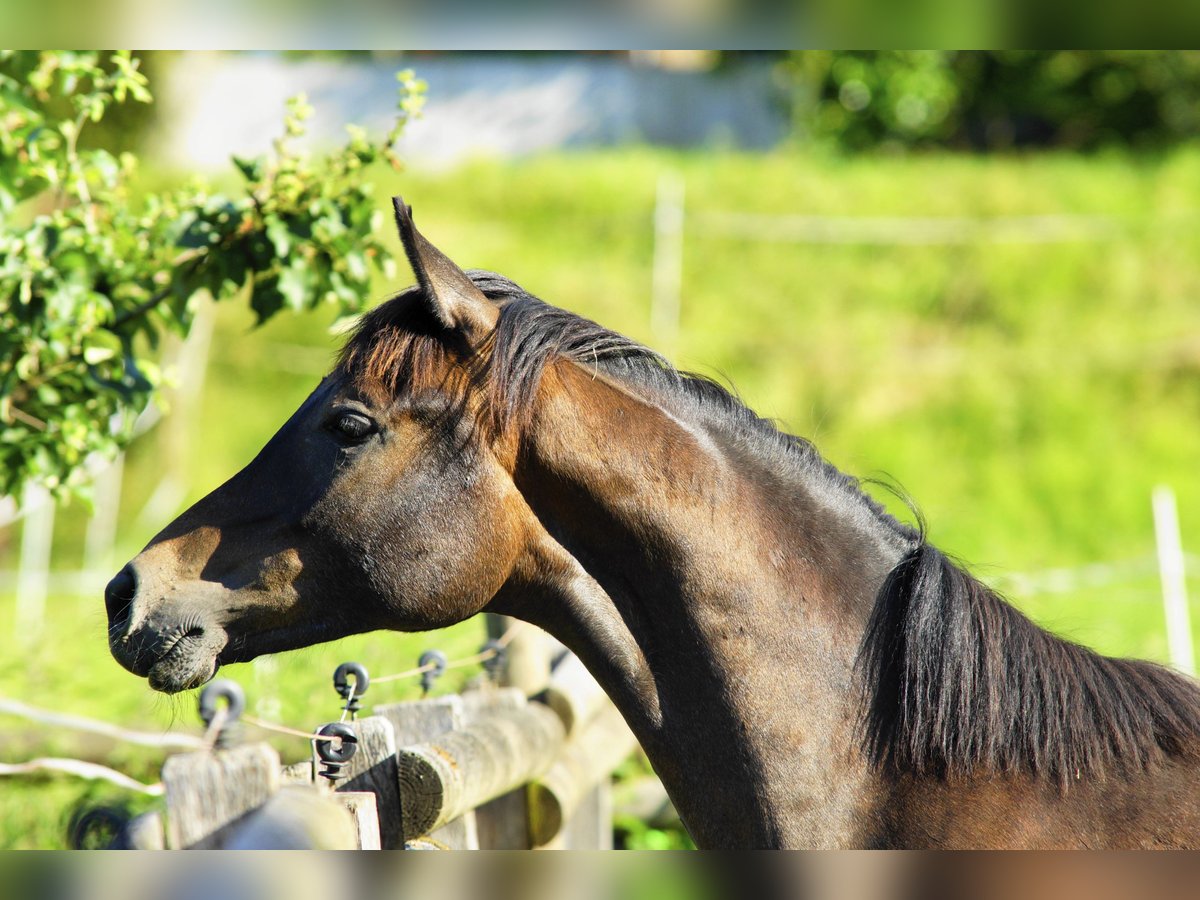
351, 426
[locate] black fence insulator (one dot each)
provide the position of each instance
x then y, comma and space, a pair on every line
351, 681
97, 828
334, 755
436, 660
235, 700
493, 665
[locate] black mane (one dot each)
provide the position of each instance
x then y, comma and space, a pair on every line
531, 333
956, 680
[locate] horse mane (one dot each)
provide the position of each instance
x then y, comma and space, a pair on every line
959, 682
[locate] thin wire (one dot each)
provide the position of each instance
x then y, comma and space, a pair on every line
410, 673
482, 656
81, 769
294, 732
219, 719
349, 700
503, 641
94, 726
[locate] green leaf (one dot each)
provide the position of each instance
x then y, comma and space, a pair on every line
356, 265
94, 355
265, 298
279, 235
296, 285
251, 169
198, 233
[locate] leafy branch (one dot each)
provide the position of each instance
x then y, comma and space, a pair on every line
90, 278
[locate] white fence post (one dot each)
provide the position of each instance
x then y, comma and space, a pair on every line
33, 576
1174, 582
266, 681
191, 359
102, 528
668, 260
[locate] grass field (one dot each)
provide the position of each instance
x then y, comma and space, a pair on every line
1027, 395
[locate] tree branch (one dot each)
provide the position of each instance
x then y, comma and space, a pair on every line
22, 416
149, 303
141, 309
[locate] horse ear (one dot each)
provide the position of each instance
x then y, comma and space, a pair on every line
450, 294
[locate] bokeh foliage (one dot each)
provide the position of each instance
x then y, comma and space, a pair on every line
1078, 99
92, 276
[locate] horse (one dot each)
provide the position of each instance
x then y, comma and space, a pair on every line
801, 668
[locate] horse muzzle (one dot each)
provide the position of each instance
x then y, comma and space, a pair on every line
167, 643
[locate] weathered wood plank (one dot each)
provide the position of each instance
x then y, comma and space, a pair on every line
296, 818
415, 723
502, 823
591, 825
298, 773
144, 832
490, 699
420, 720
586, 761
363, 809
573, 693
373, 769
206, 792
444, 778
527, 656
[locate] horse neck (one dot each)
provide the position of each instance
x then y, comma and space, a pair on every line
720, 605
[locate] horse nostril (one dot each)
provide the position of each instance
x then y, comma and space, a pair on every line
118, 598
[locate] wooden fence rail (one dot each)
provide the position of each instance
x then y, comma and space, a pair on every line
486, 769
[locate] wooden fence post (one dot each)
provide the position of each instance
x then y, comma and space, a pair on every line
415, 723
577, 782
501, 823
373, 769
667, 271
590, 826
426, 774
302, 772
33, 576
484, 700
444, 778
144, 832
208, 791
527, 660
295, 818
582, 818
1173, 574
363, 807
574, 694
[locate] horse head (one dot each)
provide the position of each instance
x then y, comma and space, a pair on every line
385, 501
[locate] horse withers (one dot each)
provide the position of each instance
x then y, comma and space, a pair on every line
802, 669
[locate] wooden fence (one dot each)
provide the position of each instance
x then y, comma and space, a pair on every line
522, 765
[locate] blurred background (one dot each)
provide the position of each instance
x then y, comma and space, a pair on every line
972, 273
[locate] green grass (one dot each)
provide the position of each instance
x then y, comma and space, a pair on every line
1028, 396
